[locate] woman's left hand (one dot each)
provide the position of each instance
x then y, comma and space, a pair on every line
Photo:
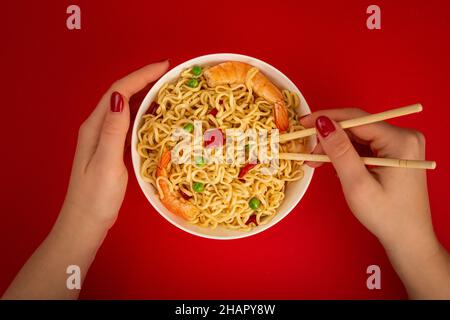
96, 191
99, 176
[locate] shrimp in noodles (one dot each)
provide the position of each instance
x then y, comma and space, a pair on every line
234, 72
172, 200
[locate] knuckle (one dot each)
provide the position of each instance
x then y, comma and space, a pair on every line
415, 138
111, 127
412, 144
115, 86
420, 138
83, 130
82, 127
340, 145
354, 112
357, 111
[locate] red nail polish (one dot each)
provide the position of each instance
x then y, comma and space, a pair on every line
325, 126
116, 102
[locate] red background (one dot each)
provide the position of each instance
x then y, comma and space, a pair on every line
52, 78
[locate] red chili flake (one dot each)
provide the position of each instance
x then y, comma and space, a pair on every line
185, 196
213, 112
208, 142
152, 109
252, 219
245, 169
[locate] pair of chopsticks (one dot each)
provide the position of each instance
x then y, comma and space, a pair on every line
398, 163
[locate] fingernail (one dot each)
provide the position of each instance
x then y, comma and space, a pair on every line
303, 116
325, 126
116, 102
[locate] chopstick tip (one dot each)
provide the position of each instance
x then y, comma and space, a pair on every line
433, 165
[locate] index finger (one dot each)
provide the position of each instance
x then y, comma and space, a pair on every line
137, 80
378, 133
126, 86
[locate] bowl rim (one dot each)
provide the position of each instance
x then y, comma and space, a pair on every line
135, 158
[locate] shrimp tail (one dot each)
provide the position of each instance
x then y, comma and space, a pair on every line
163, 163
280, 114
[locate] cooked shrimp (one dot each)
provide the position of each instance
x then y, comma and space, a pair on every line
173, 201
234, 72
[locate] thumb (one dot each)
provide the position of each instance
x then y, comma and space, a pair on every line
346, 161
113, 133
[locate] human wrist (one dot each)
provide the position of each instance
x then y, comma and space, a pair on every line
95, 215
81, 225
411, 244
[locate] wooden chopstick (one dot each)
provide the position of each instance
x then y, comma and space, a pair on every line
385, 162
371, 118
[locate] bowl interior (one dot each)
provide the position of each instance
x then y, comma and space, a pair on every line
294, 190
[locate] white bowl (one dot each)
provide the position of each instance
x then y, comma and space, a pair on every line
294, 190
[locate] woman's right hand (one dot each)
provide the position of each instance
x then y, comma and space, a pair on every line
388, 201
391, 202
